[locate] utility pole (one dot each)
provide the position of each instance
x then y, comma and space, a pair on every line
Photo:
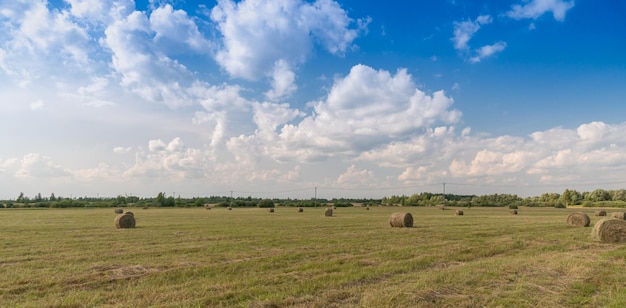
444, 191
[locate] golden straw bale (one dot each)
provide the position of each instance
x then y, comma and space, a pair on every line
401, 220
609, 230
578, 219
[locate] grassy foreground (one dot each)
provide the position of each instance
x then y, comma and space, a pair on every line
253, 258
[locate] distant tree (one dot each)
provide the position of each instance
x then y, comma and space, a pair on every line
599, 195
20, 198
52, 197
265, 203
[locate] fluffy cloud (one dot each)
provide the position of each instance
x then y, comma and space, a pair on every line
535, 8
261, 38
365, 109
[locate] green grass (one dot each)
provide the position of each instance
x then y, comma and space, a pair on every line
252, 258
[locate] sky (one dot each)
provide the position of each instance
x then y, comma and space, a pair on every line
303, 99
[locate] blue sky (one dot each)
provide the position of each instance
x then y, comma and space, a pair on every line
275, 98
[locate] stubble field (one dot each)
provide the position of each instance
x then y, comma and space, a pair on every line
253, 258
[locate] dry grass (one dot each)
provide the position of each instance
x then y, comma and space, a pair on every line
191, 258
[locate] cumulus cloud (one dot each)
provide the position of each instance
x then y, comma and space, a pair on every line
35, 165
535, 8
261, 38
365, 109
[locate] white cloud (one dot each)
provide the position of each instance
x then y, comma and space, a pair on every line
487, 51
363, 110
464, 30
174, 27
283, 81
35, 165
535, 8
256, 35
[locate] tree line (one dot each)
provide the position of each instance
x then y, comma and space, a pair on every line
598, 197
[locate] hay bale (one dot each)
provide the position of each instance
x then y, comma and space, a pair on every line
130, 213
124, 221
619, 215
401, 220
271, 210
300, 210
578, 219
367, 208
208, 208
118, 211
230, 208
600, 213
609, 230
514, 212
145, 207
328, 212
458, 212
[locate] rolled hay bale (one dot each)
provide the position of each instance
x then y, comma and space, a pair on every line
600, 213
230, 208
578, 219
271, 210
208, 208
367, 208
118, 211
300, 210
619, 215
609, 230
401, 220
145, 207
334, 207
513, 212
328, 212
124, 221
130, 213
458, 212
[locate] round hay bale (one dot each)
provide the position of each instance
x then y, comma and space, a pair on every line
401, 220
334, 207
600, 213
208, 208
300, 210
578, 219
609, 230
118, 211
514, 212
124, 221
145, 207
328, 212
230, 208
619, 215
271, 210
367, 208
458, 212
130, 213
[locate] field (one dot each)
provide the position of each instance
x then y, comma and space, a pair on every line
253, 258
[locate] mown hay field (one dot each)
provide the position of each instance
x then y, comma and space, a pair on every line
252, 258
